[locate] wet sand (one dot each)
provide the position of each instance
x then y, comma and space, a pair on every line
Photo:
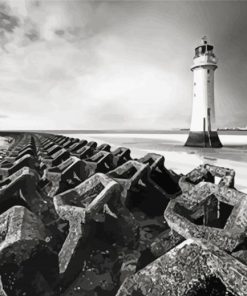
179, 158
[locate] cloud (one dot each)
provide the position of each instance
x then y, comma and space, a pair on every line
64, 19
110, 64
4, 116
8, 23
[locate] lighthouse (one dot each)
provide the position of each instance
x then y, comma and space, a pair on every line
203, 132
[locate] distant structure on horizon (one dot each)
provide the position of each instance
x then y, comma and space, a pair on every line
203, 132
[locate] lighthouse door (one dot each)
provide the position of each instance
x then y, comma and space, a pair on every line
209, 120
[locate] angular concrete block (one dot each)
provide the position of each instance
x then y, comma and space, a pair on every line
26, 260
102, 160
162, 180
184, 269
79, 206
121, 155
129, 173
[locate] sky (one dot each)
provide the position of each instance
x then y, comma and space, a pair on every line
117, 64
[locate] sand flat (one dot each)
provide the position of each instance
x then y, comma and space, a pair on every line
179, 158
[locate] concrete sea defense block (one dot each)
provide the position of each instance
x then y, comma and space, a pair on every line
83, 152
17, 188
73, 170
77, 145
163, 180
26, 261
79, 206
187, 268
121, 155
129, 173
7, 168
215, 205
102, 160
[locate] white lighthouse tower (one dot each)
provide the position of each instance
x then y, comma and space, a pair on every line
203, 132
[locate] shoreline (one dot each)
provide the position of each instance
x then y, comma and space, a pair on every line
177, 157
122, 132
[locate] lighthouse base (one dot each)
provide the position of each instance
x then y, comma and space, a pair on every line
203, 139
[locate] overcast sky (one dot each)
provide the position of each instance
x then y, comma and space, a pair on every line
69, 64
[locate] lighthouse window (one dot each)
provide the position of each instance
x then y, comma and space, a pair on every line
208, 71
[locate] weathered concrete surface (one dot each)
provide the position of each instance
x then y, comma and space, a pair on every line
79, 206
129, 173
73, 252
241, 256
163, 180
166, 241
56, 158
154, 160
121, 155
8, 168
102, 161
181, 269
180, 211
83, 152
77, 145
92, 144
17, 188
69, 172
86, 199
207, 173
104, 147
22, 248
106, 233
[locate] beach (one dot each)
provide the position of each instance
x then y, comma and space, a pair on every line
179, 158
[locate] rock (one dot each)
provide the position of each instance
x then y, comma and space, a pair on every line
129, 264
